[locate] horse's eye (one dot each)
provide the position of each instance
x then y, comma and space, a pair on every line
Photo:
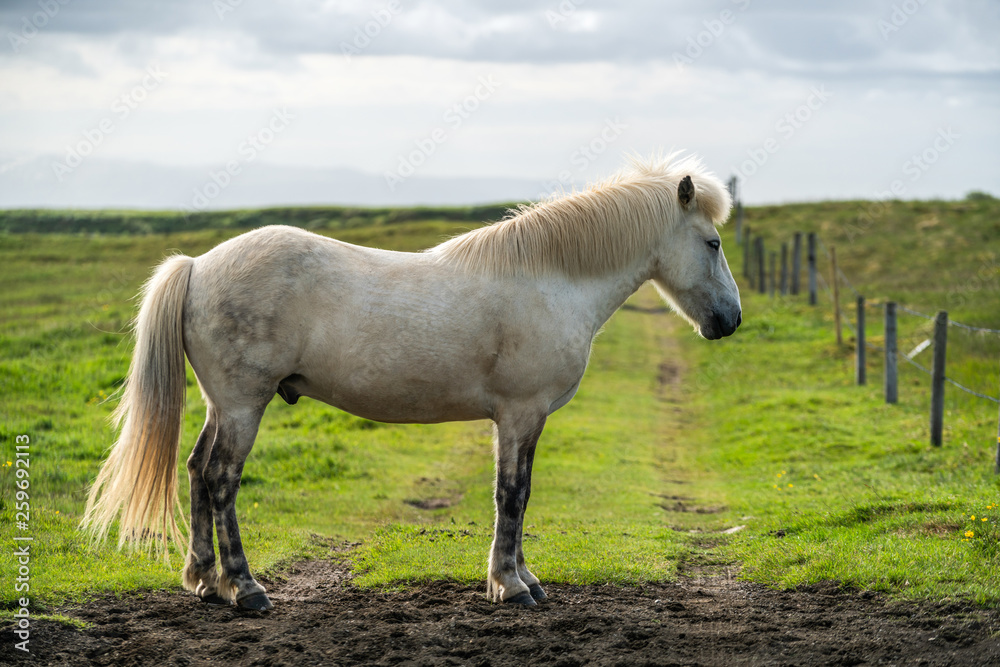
714, 244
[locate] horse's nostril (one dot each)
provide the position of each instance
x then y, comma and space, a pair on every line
739, 318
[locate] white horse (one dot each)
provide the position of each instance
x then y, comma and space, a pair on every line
493, 324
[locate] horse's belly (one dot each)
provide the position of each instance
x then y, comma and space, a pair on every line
400, 399
413, 413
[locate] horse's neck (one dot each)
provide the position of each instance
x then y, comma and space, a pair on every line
612, 290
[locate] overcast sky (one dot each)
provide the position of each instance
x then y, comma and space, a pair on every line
805, 101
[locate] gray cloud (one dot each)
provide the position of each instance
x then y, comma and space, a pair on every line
781, 36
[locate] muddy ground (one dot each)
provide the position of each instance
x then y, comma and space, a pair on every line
321, 619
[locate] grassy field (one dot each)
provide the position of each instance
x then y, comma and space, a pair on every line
840, 485
671, 442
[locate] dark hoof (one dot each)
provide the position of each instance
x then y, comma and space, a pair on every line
524, 599
537, 593
216, 599
255, 602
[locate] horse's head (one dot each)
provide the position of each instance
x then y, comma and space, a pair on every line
691, 270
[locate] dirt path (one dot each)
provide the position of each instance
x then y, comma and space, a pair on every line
321, 619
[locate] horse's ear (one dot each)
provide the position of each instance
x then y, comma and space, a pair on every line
685, 191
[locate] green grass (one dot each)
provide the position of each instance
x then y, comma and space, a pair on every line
634, 480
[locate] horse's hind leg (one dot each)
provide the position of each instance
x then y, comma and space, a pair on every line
234, 439
508, 578
199, 573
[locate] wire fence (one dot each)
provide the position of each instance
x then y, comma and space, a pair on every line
843, 279
754, 271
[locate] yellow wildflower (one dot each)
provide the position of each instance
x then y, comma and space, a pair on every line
970, 533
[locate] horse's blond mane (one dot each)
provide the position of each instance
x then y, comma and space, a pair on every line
592, 232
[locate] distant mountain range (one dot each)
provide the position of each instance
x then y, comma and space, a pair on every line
101, 183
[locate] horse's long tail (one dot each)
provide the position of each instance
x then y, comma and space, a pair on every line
138, 482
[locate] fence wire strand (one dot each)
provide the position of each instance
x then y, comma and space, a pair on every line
974, 329
914, 312
914, 363
972, 391
847, 282
951, 322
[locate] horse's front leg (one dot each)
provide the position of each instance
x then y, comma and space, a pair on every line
534, 587
514, 449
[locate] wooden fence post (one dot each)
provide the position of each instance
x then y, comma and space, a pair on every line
891, 371
796, 261
861, 360
739, 222
836, 296
937, 377
996, 467
761, 279
812, 268
784, 269
773, 257
746, 254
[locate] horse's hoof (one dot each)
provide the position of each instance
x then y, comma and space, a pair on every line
523, 599
216, 600
255, 602
537, 593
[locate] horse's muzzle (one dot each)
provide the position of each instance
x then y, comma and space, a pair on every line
721, 326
